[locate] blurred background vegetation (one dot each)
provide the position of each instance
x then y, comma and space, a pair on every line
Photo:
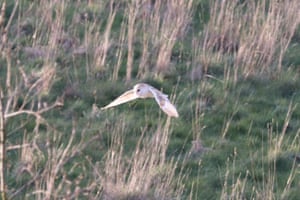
231, 67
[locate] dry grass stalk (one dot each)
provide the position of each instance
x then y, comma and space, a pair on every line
237, 187
2, 148
145, 174
2, 14
104, 43
265, 41
276, 148
120, 51
221, 34
56, 29
175, 18
27, 91
255, 34
143, 65
132, 10
5, 48
161, 24
277, 144
48, 37
44, 80
44, 23
45, 163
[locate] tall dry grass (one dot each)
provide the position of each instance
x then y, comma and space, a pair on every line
154, 25
251, 36
235, 186
132, 13
101, 41
175, 19
45, 153
144, 174
257, 38
43, 160
24, 85
157, 26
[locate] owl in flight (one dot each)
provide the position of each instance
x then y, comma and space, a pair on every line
143, 90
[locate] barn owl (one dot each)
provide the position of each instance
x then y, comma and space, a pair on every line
143, 90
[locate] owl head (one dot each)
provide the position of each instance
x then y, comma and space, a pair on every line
142, 91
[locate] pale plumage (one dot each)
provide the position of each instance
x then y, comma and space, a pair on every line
143, 90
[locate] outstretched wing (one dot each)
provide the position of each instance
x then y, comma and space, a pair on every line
125, 97
164, 103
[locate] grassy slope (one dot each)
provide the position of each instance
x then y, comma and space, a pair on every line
240, 124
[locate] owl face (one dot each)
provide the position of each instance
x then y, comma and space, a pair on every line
142, 91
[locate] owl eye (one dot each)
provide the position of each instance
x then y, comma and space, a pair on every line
138, 90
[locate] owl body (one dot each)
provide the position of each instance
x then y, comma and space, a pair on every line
143, 90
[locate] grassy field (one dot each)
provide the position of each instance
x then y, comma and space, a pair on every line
230, 67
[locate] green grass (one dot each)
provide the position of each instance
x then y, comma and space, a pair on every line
249, 126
